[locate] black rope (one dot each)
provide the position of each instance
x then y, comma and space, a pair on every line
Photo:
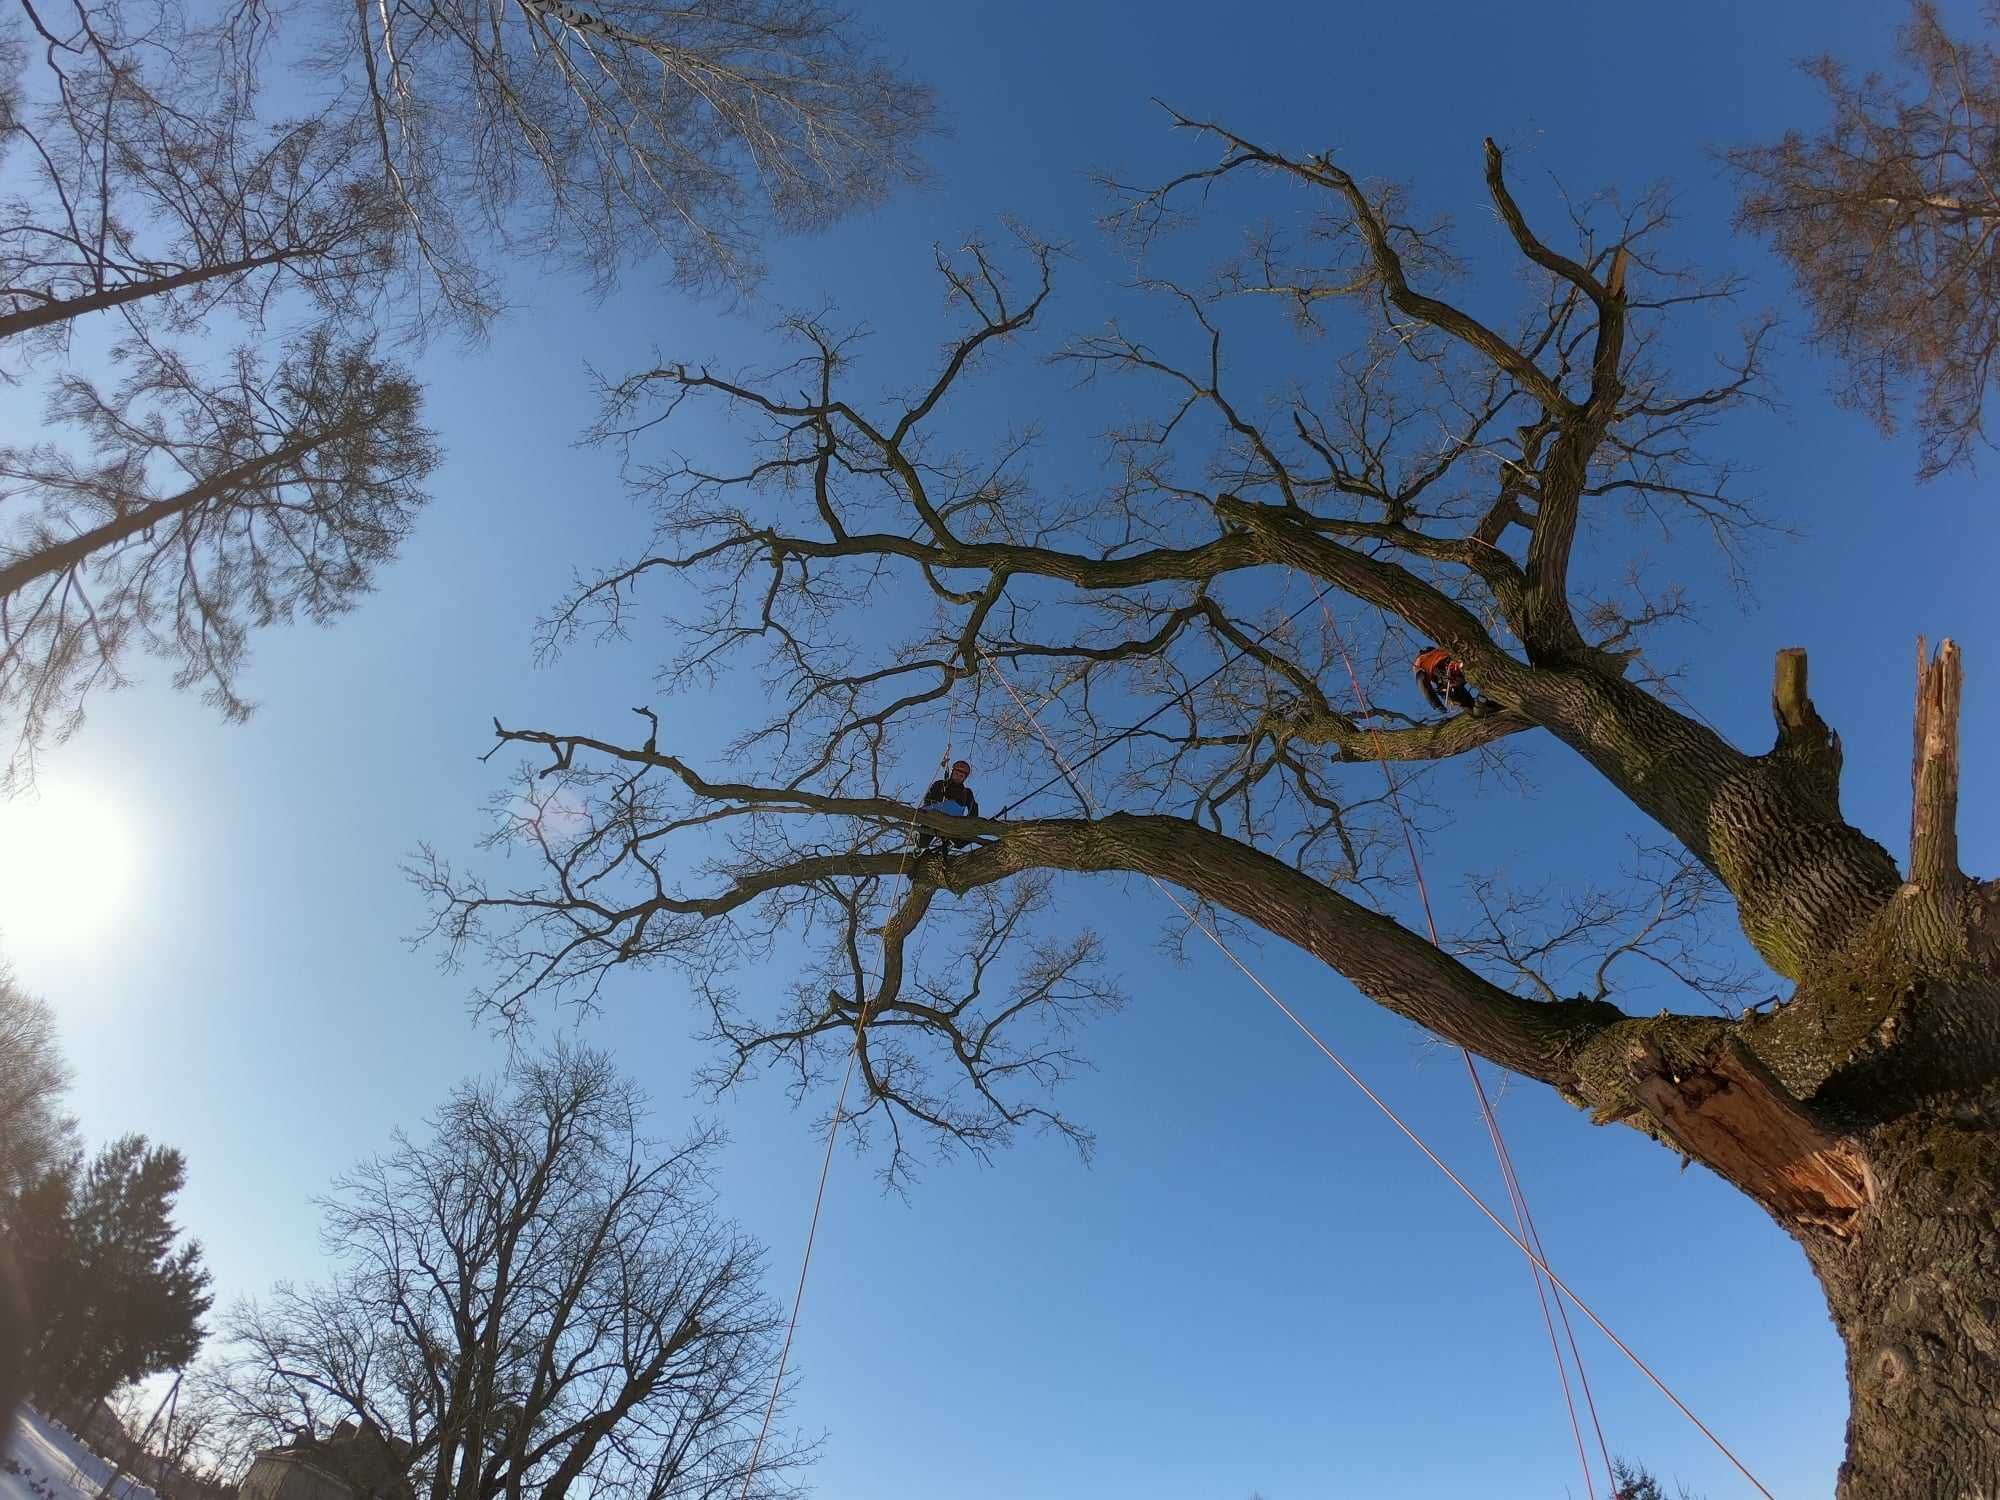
1179, 697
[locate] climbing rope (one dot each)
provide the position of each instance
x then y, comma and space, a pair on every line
1533, 1255
826, 1162
1516, 1195
805, 1262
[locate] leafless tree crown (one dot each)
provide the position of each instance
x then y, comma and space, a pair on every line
146, 184
882, 579
1889, 218
535, 1299
205, 510
458, 142
35, 1134
594, 137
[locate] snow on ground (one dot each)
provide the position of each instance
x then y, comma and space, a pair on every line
46, 1461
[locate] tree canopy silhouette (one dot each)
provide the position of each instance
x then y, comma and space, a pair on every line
1889, 218
879, 577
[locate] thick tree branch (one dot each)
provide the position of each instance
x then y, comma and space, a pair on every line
1389, 964
1549, 629
1285, 539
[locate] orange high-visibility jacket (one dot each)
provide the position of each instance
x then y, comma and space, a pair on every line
1435, 659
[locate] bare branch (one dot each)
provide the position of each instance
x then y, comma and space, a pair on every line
1889, 218
600, 137
283, 491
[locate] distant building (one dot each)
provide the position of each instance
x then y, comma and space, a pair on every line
356, 1463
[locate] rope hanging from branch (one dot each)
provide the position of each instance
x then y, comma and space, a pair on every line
1521, 1243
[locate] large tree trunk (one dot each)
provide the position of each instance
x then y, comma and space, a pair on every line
62, 310
1884, 1164
1915, 1294
1864, 1115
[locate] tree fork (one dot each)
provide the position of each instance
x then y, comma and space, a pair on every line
1808, 885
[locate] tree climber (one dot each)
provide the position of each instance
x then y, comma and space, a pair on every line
1442, 677
951, 795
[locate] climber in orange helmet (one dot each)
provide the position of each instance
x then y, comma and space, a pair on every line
1442, 678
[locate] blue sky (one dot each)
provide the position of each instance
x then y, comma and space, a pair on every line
1256, 1285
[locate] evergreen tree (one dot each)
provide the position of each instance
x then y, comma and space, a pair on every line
1632, 1481
115, 1298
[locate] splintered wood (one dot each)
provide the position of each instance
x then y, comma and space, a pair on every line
1730, 1112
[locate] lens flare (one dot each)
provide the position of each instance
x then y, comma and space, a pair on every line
67, 858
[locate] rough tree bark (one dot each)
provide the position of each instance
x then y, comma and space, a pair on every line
1862, 1113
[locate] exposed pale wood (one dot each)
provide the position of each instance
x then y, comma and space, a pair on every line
1934, 769
1728, 1111
1790, 701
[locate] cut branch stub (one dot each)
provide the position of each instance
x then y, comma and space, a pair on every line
1790, 701
1727, 1110
1806, 745
1934, 770
1932, 912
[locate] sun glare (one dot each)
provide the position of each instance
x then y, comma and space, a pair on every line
66, 860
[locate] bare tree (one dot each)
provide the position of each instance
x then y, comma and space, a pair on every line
208, 1444
1169, 626
143, 180
593, 138
208, 508
188, 1444
534, 1299
1890, 220
149, 186
207, 502
36, 1137
35, 1134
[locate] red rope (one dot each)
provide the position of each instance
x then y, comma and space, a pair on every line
1518, 1201
1540, 1262
1535, 1257
1459, 1182
1518, 1198
1590, 1401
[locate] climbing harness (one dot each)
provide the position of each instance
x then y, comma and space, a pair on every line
1531, 1253
950, 796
